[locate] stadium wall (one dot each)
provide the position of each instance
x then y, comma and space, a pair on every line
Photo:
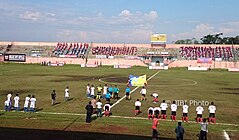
82, 61
193, 63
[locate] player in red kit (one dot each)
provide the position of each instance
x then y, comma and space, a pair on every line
154, 127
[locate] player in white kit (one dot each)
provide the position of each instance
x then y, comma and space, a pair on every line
199, 111
33, 103
16, 102
212, 111
137, 107
26, 103
150, 112
185, 112
164, 107
173, 111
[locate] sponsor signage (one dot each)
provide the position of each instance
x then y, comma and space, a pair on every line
15, 57
158, 38
122, 66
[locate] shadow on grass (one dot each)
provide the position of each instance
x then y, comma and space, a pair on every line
37, 134
57, 103
38, 109
69, 99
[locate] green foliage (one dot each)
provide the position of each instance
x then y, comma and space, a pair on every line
211, 39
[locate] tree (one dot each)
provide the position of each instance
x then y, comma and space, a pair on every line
212, 39
187, 41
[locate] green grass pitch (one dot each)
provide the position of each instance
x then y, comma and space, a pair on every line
218, 86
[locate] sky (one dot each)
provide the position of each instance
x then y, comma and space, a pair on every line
116, 21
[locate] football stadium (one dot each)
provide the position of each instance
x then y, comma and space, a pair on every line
114, 76
174, 72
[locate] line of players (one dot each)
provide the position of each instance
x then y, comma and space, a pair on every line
29, 104
106, 92
102, 91
155, 111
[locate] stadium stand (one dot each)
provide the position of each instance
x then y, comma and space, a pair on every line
192, 53
171, 55
70, 50
111, 51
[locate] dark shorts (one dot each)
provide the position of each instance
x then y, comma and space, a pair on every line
150, 112
127, 93
173, 113
211, 115
163, 112
108, 99
199, 115
143, 95
137, 108
155, 133
156, 112
185, 114
107, 108
115, 93
110, 92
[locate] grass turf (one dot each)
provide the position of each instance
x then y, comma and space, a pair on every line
178, 84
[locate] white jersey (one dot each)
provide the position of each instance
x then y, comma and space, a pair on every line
155, 95
16, 101
137, 103
164, 106
105, 89
204, 126
212, 109
199, 110
67, 94
107, 105
33, 102
157, 108
6, 103
99, 105
151, 108
92, 91
27, 99
9, 97
143, 91
88, 89
174, 107
185, 108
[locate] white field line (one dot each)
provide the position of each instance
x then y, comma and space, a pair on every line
126, 117
133, 90
194, 82
226, 136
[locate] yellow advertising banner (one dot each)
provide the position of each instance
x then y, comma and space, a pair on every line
158, 38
